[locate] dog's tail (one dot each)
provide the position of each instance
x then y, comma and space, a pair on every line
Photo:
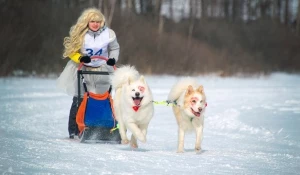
180, 87
123, 75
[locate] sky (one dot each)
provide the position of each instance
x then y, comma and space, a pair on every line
251, 126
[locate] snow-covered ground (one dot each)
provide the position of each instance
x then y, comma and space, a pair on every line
252, 126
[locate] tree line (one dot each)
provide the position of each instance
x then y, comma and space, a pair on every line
181, 37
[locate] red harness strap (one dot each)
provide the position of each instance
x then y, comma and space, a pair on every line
135, 108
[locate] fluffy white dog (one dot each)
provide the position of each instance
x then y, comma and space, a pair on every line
132, 104
189, 106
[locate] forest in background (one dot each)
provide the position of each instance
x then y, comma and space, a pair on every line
180, 37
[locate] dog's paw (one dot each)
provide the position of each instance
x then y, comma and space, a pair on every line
125, 142
197, 149
134, 145
180, 151
142, 138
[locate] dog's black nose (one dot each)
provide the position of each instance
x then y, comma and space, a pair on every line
137, 94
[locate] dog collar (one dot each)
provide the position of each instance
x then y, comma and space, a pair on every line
135, 108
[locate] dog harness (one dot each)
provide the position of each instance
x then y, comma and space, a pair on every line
135, 108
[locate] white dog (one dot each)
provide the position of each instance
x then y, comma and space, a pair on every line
189, 106
132, 104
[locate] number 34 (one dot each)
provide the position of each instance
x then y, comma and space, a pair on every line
90, 52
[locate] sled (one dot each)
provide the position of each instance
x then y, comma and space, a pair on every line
95, 116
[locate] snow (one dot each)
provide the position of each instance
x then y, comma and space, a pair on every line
251, 127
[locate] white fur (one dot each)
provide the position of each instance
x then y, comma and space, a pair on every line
180, 87
186, 119
126, 82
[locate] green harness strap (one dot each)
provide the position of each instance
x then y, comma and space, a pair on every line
115, 128
165, 103
168, 103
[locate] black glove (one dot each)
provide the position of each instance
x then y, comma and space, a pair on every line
111, 62
85, 59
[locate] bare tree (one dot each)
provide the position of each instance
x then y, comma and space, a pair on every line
213, 8
100, 5
298, 20
286, 12
251, 11
171, 8
275, 10
192, 8
91, 2
105, 10
279, 6
193, 13
204, 8
235, 10
264, 6
111, 12
158, 4
161, 25
226, 9
108, 8
128, 4
158, 16
146, 6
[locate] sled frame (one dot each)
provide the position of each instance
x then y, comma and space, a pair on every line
82, 72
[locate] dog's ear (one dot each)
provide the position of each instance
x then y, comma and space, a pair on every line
200, 89
190, 90
142, 79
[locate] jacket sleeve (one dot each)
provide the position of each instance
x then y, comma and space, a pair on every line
113, 46
114, 50
75, 57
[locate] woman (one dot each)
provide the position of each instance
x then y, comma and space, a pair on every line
87, 38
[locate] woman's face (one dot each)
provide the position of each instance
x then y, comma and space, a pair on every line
94, 25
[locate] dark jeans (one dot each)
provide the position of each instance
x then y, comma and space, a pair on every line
73, 127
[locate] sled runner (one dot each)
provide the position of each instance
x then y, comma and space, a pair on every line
95, 115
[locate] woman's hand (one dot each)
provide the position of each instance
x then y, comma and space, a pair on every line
111, 62
85, 59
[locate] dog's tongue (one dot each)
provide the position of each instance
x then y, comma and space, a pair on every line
137, 101
197, 114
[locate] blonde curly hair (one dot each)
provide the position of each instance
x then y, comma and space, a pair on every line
74, 41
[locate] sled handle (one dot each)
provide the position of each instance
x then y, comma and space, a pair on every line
96, 57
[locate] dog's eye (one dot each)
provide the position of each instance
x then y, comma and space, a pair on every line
193, 101
133, 90
201, 101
